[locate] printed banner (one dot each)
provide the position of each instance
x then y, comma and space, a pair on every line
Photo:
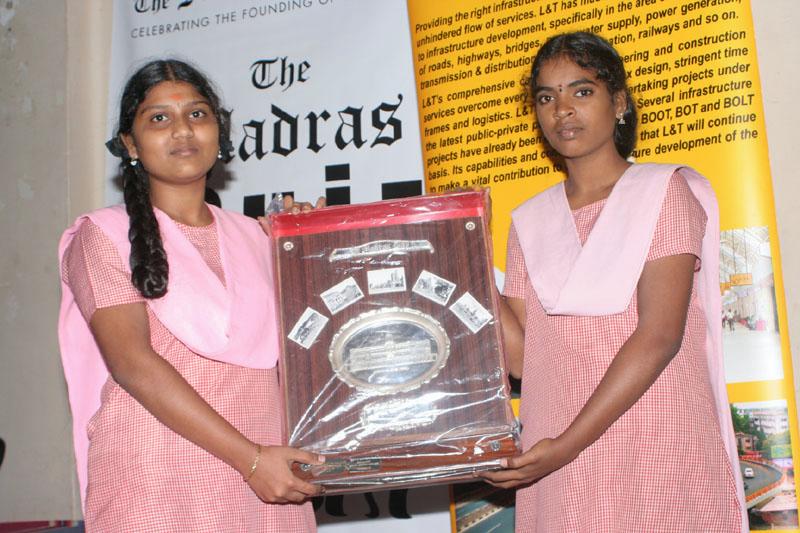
693, 73
322, 94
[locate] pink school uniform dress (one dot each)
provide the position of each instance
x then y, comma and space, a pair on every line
136, 474
668, 464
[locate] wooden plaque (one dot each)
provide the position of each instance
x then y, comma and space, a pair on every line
391, 351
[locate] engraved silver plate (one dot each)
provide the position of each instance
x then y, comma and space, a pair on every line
388, 350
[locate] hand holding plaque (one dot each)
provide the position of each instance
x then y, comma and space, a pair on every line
391, 356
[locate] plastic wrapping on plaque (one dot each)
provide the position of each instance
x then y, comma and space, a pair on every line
391, 354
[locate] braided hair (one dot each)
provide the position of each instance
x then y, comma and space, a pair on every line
148, 260
592, 52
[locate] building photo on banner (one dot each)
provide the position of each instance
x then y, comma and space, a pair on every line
359, 101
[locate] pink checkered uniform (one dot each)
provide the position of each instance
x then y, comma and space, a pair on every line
142, 475
662, 466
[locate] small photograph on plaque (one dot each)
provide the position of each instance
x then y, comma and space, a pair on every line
471, 313
386, 280
308, 328
396, 384
433, 287
342, 295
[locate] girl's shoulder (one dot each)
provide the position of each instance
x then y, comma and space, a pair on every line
548, 197
112, 220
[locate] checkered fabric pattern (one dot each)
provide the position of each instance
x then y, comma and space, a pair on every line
142, 475
662, 466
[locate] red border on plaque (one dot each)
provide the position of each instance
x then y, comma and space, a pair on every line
400, 211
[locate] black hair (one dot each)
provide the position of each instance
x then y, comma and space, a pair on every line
148, 260
590, 51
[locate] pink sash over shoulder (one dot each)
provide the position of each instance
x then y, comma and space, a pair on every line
233, 323
564, 273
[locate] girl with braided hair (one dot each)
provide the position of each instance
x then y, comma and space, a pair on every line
168, 334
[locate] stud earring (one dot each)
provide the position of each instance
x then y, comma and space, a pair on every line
620, 119
134, 162
219, 154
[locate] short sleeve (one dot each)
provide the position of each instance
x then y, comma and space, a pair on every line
516, 272
94, 271
681, 224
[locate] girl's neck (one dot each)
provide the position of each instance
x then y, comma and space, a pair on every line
185, 204
590, 181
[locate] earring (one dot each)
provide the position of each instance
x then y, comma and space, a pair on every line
134, 162
219, 154
620, 119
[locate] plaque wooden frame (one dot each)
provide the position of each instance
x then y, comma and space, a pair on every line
408, 421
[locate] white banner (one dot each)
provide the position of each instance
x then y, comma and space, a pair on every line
322, 91
324, 103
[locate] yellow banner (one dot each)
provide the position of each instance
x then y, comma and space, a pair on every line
694, 76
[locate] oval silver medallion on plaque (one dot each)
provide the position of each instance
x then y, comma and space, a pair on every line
389, 350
